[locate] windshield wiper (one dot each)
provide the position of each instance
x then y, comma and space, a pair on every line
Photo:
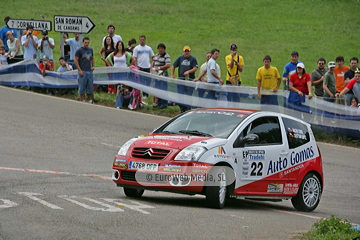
195, 132
168, 132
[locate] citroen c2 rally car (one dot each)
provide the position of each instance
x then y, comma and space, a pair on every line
224, 153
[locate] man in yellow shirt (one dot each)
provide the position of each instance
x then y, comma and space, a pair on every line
268, 82
234, 65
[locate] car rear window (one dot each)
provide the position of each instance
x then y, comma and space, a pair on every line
296, 132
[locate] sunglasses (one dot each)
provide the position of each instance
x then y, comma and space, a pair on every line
321, 63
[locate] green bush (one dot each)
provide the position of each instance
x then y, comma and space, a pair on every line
332, 229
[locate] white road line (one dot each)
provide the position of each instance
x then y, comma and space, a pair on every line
108, 208
8, 204
32, 196
136, 207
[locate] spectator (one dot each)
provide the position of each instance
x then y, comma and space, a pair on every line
46, 65
329, 84
131, 45
354, 85
15, 51
111, 32
290, 68
64, 66
142, 54
123, 96
84, 61
107, 48
339, 73
66, 52
4, 33
268, 79
235, 65
36, 33
213, 75
3, 56
350, 74
30, 43
161, 63
74, 44
354, 102
317, 77
299, 86
187, 66
46, 46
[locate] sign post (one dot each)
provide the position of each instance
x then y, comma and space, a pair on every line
72, 24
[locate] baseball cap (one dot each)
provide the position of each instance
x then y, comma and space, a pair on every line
295, 53
331, 64
233, 46
45, 58
44, 32
187, 48
300, 65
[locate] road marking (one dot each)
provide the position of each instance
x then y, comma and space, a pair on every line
55, 172
108, 208
110, 145
8, 204
32, 196
136, 207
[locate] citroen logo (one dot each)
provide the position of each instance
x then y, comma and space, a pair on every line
148, 152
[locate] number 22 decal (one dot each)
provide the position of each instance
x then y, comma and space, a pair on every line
256, 169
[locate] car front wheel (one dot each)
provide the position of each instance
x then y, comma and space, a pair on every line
216, 193
309, 194
133, 192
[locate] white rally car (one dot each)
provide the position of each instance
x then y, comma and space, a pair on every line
224, 153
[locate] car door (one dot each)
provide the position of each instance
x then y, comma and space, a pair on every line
261, 162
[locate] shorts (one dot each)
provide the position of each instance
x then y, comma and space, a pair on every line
86, 83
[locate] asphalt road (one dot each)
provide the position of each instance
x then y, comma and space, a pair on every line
55, 181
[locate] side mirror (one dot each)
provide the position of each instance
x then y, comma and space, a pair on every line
249, 139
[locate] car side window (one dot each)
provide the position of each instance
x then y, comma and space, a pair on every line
296, 132
267, 128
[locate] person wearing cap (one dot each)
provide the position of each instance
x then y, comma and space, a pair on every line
329, 84
46, 65
143, 53
234, 64
317, 77
46, 46
187, 66
353, 85
290, 68
30, 43
269, 81
299, 87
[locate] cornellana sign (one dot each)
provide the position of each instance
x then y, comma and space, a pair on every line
21, 24
73, 24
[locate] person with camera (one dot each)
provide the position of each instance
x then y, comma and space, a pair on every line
46, 46
30, 43
234, 65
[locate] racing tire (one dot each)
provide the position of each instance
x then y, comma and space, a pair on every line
309, 194
217, 192
133, 192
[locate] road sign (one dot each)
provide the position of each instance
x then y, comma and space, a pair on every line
23, 23
73, 24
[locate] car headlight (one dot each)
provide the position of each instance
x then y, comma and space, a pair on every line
123, 150
190, 153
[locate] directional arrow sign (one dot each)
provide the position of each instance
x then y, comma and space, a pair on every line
73, 24
23, 23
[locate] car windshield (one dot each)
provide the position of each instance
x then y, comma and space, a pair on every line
206, 123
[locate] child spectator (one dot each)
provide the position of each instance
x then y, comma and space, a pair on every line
3, 56
64, 66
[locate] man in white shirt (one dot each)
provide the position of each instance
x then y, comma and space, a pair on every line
142, 54
30, 43
46, 46
111, 31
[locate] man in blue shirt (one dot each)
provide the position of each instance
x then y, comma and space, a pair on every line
290, 68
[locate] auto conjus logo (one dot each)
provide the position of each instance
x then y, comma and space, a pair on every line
181, 176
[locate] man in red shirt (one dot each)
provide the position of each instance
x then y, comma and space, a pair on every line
46, 65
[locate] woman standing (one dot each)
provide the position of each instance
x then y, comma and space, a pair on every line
299, 86
120, 56
107, 48
15, 51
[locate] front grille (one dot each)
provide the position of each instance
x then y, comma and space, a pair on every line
150, 153
143, 177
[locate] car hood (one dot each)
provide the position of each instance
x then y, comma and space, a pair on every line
177, 141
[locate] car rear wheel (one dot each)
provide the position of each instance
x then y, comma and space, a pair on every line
309, 194
133, 192
216, 192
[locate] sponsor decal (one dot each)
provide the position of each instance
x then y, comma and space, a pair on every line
200, 165
199, 170
293, 169
291, 188
295, 158
120, 160
221, 150
296, 133
275, 188
167, 169
173, 165
159, 143
173, 138
254, 155
124, 165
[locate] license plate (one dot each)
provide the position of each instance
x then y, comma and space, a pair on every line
144, 166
